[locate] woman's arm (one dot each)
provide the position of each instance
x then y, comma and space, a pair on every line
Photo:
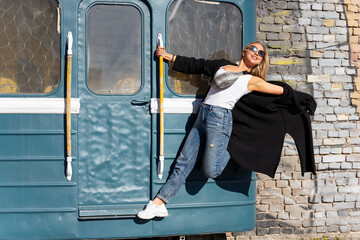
191, 65
260, 85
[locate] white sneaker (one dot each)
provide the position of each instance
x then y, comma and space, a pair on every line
151, 210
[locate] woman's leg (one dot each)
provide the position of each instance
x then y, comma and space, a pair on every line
185, 162
218, 126
183, 166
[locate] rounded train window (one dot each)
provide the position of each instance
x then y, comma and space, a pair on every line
202, 29
114, 49
29, 46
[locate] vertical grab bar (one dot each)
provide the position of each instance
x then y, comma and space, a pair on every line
160, 168
68, 107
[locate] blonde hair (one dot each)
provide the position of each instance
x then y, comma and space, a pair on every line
261, 69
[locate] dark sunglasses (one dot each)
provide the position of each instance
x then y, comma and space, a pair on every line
254, 49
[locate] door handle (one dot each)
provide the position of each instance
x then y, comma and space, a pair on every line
139, 102
142, 102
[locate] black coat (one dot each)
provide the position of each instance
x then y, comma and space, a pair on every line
260, 122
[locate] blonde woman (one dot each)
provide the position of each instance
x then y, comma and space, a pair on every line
213, 125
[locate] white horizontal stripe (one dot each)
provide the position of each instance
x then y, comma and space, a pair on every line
57, 105
37, 105
176, 105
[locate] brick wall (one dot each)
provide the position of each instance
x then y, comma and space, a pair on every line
314, 46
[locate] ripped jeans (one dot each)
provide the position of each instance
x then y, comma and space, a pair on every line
212, 130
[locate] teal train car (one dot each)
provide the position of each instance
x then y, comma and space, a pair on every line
114, 117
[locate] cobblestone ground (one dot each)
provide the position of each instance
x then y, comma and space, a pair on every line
228, 236
193, 237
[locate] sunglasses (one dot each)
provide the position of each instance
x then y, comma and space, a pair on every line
254, 49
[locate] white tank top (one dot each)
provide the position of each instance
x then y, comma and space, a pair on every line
227, 97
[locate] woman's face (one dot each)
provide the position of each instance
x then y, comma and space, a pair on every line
252, 58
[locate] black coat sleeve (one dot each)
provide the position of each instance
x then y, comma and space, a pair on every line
190, 65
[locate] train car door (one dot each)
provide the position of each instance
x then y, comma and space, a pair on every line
114, 122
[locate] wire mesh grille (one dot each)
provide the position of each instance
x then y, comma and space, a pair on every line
29, 46
202, 29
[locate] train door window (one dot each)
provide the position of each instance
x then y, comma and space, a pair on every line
114, 49
29, 46
205, 29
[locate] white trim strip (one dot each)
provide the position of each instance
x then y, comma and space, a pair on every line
176, 105
57, 105
37, 105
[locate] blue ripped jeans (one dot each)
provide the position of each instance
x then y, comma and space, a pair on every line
212, 130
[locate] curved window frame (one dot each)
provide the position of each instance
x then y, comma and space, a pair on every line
170, 50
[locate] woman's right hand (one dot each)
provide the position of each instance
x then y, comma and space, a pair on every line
160, 51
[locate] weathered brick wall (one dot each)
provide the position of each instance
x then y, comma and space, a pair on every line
314, 46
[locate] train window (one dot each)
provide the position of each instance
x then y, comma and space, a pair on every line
202, 29
114, 49
29, 46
